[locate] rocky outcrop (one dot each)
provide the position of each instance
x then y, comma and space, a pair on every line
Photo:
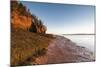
58, 50
21, 18
63, 50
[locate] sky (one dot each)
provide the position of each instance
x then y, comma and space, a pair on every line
64, 18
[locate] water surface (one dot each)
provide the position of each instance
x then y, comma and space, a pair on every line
87, 41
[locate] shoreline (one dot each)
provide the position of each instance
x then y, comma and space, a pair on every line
58, 49
87, 41
63, 50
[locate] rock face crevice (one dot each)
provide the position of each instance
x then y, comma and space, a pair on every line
21, 18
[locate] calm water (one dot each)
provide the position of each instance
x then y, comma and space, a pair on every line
87, 41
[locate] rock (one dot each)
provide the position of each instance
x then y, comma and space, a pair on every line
61, 50
21, 18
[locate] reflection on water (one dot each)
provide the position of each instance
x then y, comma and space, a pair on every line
87, 41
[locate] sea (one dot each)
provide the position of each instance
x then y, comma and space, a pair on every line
87, 41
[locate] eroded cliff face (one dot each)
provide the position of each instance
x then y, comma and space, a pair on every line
21, 18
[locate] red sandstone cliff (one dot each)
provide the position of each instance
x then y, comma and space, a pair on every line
21, 18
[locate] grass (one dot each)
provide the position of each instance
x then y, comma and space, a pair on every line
25, 45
